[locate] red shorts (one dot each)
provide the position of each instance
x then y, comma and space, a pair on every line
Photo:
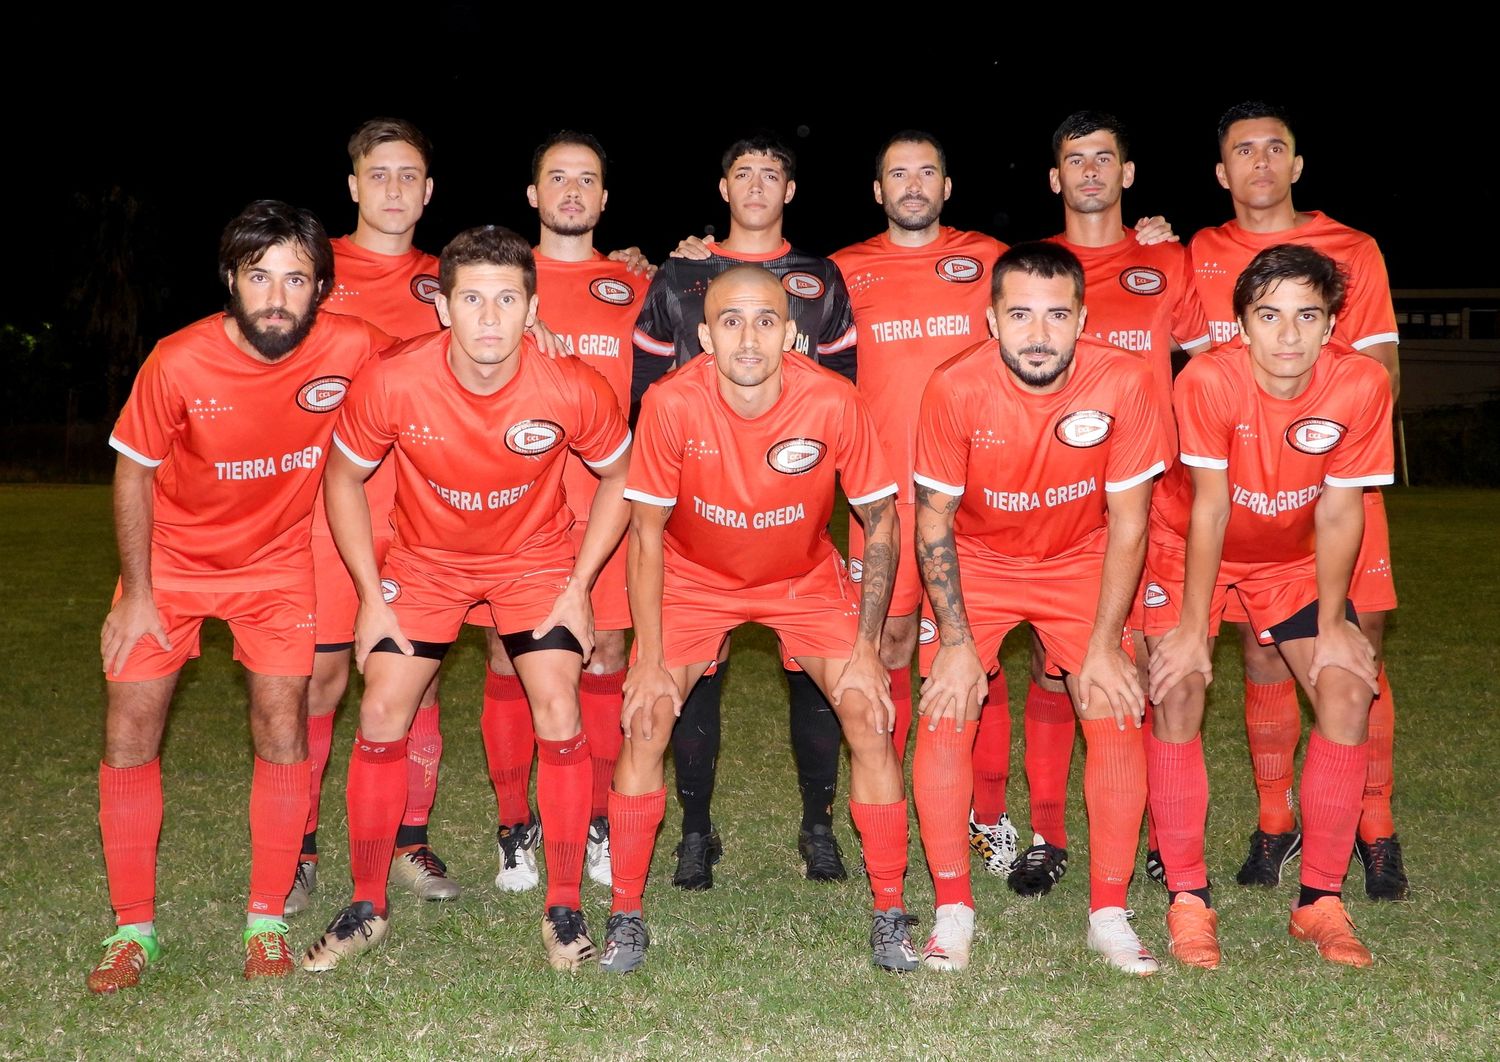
1058, 598
610, 603
337, 601
906, 595
1267, 593
815, 615
516, 592
273, 630
1372, 588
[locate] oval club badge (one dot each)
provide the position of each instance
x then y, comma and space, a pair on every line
803, 285
960, 269
615, 292
532, 437
793, 457
323, 395
1084, 428
1315, 435
1143, 280
425, 288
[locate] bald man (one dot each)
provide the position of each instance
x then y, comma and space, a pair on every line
730, 496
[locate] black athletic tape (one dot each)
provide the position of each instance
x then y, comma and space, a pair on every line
426, 650
332, 647
1304, 623
557, 638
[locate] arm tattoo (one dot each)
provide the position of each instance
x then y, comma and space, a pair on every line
939, 559
879, 576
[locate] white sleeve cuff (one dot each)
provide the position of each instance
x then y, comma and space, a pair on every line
865, 499
650, 499
135, 455
1384, 479
612, 458
351, 455
939, 486
1115, 488
1220, 463
1381, 337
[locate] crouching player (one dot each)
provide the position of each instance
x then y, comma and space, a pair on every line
478, 422
731, 496
1280, 438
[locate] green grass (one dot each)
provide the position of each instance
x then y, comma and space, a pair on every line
764, 965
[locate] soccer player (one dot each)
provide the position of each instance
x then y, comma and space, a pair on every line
592, 302
221, 446
1280, 435
477, 421
380, 276
759, 181
1036, 453
731, 495
1258, 166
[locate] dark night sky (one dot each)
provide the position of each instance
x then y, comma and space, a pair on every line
1403, 159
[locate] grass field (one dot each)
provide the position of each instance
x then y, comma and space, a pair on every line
766, 964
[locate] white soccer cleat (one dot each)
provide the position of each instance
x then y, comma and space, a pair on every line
952, 933
596, 853
997, 846
517, 849
1111, 936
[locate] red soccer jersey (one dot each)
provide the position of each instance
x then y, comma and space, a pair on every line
1033, 470
915, 307
592, 307
478, 476
1220, 255
752, 498
1142, 299
1279, 453
238, 447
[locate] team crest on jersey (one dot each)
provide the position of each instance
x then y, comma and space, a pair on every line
792, 457
927, 632
1315, 435
1084, 428
1155, 596
615, 292
425, 287
803, 285
323, 395
532, 437
856, 570
389, 590
1143, 280
960, 269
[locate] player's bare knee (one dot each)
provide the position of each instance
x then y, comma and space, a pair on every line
1178, 716
1341, 703
609, 653
898, 641
499, 659
1372, 625
1263, 663
555, 715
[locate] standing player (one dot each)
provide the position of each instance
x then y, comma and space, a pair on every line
221, 446
478, 422
1036, 453
1258, 166
732, 492
1280, 439
379, 275
758, 182
592, 302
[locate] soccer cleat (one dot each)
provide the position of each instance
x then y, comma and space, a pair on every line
425, 875
1194, 929
952, 933
1269, 855
820, 850
355, 929
1328, 926
1038, 869
696, 855
267, 954
890, 941
996, 845
517, 845
565, 935
596, 853
1111, 936
1156, 870
302, 887
126, 954
625, 942
1385, 870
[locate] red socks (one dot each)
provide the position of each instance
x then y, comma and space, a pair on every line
883, 832
901, 698
509, 740
376, 797
1049, 757
1178, 783
1114, 791
130, 824
278, 811
943, 785
633, 822
992, 754
319, 748
1273, 723
564, 783
1375, 816
424, 751
1332, 778
600, 698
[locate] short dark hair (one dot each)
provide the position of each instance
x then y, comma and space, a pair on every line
486, 245
910, 136
1291, 261
1040, 258
264, 224
1082, 123
379, 131
575, 138
1251, 109
761, 144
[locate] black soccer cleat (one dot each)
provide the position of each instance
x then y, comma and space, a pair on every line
1040, 867
820, 850
696, 855
1156, 870
1269, 855
1385, 870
